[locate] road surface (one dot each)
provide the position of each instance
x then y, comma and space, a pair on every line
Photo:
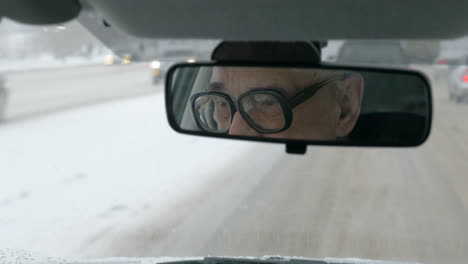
390, 204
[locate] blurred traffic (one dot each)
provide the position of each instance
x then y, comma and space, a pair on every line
458, 81
112, 59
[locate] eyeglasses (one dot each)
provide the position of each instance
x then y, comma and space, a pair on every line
265, 110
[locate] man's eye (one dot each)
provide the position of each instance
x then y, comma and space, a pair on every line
221, 103
268, 102
265, 100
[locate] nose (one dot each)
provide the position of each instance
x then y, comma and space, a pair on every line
240, 127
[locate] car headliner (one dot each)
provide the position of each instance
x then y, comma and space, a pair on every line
258, 19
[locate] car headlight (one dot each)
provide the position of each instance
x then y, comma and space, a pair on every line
109, 59
155, 64
191, 60
126, 59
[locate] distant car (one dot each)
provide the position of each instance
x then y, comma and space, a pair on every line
449, 61
168, 58
157, 71
443, 65
371, 53
112, 59
458, 81
3, 96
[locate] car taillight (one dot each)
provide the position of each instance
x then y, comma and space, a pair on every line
442, 62
465, 76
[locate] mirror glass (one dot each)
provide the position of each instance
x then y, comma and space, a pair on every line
347, 106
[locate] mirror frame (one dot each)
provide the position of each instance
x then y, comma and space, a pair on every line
293, 145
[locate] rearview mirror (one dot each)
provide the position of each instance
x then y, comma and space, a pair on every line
300, 104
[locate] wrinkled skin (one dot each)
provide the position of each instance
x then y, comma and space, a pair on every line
330, 114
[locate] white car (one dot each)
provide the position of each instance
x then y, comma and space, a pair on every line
458, 82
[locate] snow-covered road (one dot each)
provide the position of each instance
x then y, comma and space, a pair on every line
70, 178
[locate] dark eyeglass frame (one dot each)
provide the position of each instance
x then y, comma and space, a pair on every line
286, 105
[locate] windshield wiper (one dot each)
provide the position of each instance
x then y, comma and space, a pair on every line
266, 260
282, 260
269, 260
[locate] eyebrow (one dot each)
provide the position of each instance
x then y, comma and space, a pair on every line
275, 87
216, 86
219, 86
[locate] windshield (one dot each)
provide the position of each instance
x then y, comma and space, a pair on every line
91, 169
372, 53
178, 53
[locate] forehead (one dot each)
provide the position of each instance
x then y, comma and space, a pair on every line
268, 75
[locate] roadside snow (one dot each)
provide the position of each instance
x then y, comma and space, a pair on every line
67, 176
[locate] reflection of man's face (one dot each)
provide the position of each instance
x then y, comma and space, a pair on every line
330, 113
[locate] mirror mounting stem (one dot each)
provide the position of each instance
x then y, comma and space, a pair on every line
296, 148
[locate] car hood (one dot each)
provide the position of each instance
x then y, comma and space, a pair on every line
25, 257
174, 260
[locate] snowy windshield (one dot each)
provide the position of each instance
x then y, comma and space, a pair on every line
358, 53
91, 169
